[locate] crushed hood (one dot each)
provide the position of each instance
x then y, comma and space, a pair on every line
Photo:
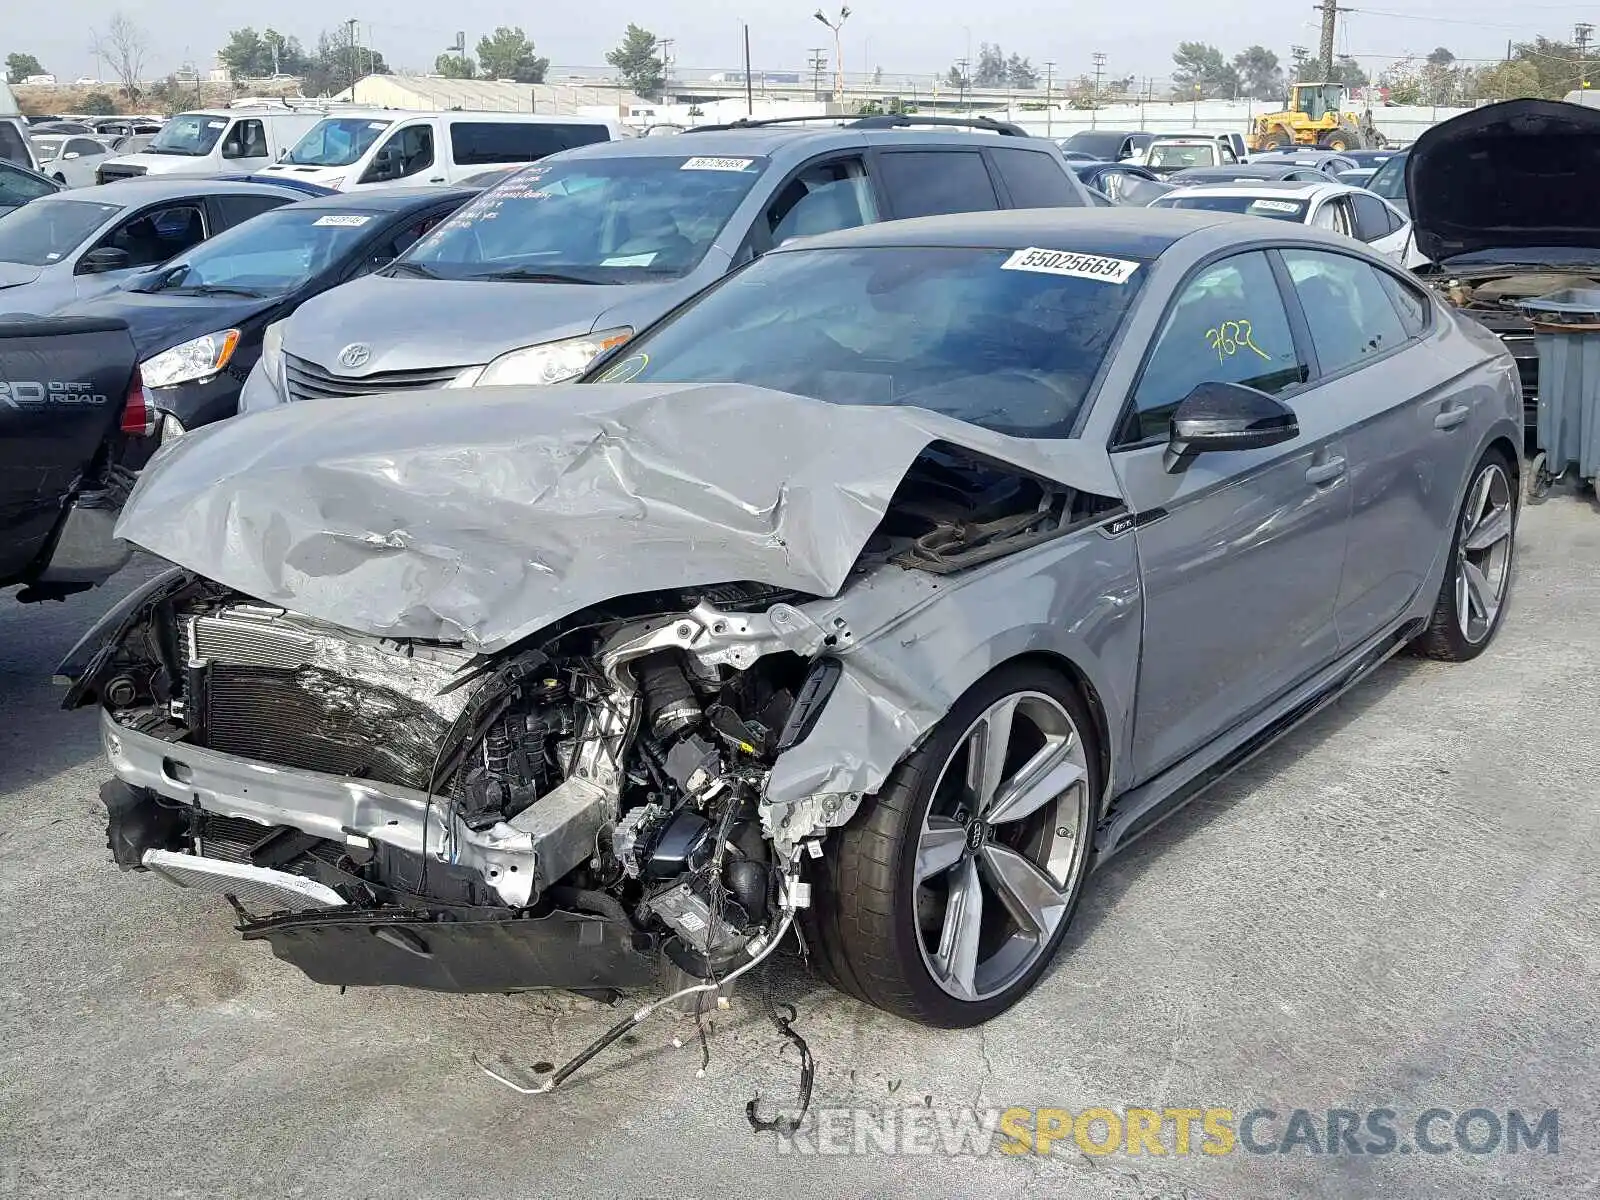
482, 515
1507, 176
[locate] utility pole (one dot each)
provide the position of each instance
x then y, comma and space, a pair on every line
350, 52
665, 45
1099, 60
1330, 17
961, 66
1049, 104
1581, 35
818, 62
838, 47
749, 84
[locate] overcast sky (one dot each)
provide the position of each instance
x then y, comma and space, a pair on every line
916, 36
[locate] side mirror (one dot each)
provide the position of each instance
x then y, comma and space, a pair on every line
1227, 416
71, 154
106, 258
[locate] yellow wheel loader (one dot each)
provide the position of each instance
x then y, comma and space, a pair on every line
1315, 116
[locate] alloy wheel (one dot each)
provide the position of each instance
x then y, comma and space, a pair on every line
1002, 846
1483, 552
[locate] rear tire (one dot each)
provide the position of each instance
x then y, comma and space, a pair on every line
1477, 580
946, 896
1278, 139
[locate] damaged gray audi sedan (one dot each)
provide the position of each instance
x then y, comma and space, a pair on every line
878, 592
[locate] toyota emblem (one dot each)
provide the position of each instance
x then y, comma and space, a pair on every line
355, 355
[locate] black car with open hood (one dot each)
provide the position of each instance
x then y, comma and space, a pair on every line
1503, 204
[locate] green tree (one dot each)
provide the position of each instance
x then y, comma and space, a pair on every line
454, 66
1020, 73
241, 54
98, 104
20, 66
954, 78
1511, 80
1347, 71
337, 60
1260, 76
508, 54
991, 69
638, 61
252, 55
1198, 69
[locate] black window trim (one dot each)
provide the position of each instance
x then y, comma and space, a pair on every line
1299, 334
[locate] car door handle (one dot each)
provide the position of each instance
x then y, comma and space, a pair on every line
437, 179
1451, 417
1325, 472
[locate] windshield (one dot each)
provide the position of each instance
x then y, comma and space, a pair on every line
1389, 181
1008, 340
189, 133
1196, 155
268, 255
1255, 206
48, 230
591, 220
336, 142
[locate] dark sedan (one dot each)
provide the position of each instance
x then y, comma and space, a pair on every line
199, 322
1124, 183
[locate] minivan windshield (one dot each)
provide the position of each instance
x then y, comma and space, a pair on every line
336, 142
268, 255
48, 230
189, 133
992, 337
597, 220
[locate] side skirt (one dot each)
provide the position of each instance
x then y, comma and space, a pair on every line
1136, 812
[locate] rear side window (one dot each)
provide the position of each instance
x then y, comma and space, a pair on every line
1374, 218
1034, 180
236, 209
12, 147
1349, 310
1411, 304
927, 183
479, 143
18, 187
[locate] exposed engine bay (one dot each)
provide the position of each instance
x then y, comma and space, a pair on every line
558, 813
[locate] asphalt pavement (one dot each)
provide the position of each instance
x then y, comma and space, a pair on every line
1398, 907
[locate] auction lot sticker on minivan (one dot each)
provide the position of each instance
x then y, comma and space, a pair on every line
1064, 262
716, 164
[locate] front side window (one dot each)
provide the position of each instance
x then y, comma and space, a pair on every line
1228, 326
247, 139
48, 230
928, 183
157, 235
13, 147
992, 337
192, 134
84, 147
336, 142
1347, 307
590, 220
408, 151
821, 199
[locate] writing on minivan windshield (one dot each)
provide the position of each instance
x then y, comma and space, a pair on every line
599, 220
189, 133
336, 142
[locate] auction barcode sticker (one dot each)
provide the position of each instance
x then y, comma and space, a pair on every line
716, 164
1064, 262
343, 220
1283, 206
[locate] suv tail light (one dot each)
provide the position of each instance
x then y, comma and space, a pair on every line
139, 416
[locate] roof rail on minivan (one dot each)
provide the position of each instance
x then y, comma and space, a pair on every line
885, 121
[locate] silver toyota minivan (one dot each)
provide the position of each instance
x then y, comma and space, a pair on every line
564, 260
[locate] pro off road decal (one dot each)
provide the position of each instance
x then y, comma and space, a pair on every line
1064, 262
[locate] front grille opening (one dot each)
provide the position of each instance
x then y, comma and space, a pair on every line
312, 381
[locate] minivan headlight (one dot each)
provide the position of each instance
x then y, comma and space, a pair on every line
546, 363
199, 358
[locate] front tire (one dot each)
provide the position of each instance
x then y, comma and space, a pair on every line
1477, 579
946, 896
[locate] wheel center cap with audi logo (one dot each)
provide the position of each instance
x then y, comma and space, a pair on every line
355, 355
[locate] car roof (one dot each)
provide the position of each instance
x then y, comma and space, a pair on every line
1280, 189
161, 187
1248, 170
399, 199
765, 140
1135, 232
